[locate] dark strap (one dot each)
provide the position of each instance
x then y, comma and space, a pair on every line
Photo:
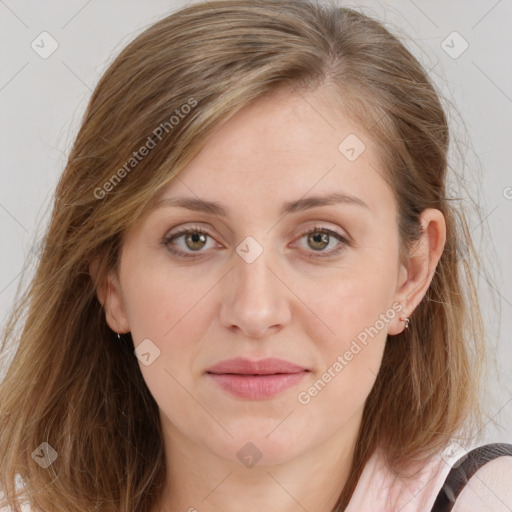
464, 469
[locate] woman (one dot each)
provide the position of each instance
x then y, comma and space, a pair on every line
249, 295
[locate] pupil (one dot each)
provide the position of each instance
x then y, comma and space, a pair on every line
195, 238
320, 237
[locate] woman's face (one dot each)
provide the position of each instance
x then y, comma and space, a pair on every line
253, 284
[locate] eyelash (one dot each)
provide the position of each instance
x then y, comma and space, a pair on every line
195, 229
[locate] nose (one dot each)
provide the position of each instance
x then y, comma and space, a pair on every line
255, 297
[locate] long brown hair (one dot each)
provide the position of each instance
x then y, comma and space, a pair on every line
71, 385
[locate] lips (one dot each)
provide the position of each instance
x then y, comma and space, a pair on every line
268, 366
254, 380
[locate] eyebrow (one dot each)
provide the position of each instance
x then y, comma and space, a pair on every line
215, 208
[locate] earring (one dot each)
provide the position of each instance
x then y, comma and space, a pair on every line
118, 336
406, 320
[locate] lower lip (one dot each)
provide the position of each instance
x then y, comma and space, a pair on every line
256, 386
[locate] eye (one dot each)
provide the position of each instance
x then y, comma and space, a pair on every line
319, 237
194, 239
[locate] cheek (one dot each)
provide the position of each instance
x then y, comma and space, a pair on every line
353, 312
160, 299
349, 302
172, 312
351, 357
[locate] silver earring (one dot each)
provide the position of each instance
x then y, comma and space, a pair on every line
406, 320
118, 336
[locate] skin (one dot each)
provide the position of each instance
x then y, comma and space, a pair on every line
288, 303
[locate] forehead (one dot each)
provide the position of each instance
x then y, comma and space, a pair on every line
281, 147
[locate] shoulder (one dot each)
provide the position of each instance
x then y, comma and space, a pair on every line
6, 508
25, 507
489, 489
381, 488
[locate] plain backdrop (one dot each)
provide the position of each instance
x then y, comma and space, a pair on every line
465, 45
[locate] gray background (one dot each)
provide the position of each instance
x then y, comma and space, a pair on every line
42, 100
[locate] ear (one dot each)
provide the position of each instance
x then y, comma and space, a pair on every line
110, 296
416, 276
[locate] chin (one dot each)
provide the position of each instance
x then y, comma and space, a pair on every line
262, 443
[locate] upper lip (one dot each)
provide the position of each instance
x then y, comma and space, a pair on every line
243, 366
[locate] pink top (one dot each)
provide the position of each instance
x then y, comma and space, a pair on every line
379, 490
